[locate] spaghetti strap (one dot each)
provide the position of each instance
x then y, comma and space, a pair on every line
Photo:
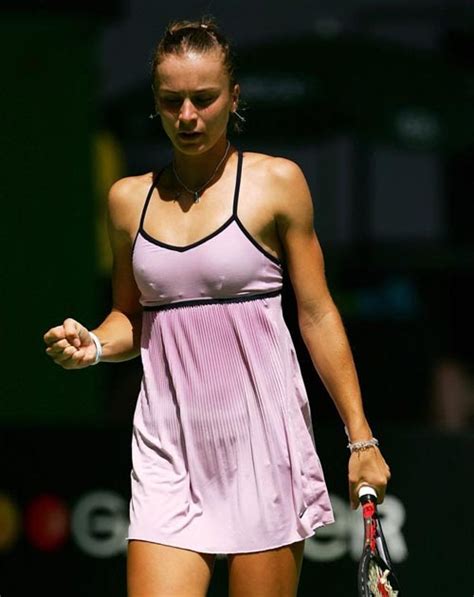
156, 178
237, 184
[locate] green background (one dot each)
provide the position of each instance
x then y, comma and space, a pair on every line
48, 103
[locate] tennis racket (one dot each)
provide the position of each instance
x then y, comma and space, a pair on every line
375, 576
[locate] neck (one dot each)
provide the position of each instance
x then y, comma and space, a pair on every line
195, 170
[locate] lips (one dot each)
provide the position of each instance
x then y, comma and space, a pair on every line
190, 135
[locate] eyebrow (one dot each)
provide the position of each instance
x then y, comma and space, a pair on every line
201, 90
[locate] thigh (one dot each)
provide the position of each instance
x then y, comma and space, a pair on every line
271, 573
156, 570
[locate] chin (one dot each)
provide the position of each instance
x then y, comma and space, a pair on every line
193, 147
199, 145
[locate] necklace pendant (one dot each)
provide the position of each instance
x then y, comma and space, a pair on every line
195, 194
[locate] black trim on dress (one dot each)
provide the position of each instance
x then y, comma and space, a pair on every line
234, 216
231, 299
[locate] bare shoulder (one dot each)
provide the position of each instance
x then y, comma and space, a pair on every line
285, 181
126, 190
273, 166
126, 199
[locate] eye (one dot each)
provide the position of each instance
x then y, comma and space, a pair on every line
171, 101
204, 100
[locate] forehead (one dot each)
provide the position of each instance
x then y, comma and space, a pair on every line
191, 70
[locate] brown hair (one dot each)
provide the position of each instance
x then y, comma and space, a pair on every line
199, 36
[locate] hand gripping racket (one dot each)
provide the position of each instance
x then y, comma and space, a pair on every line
375, 577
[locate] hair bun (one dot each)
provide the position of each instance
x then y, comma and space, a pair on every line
208, 23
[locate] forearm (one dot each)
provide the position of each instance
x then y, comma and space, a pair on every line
119, 335
327, 343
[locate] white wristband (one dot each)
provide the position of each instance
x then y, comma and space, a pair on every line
98, 348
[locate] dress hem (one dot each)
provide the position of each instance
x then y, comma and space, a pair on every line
136, 537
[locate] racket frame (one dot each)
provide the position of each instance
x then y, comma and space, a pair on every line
375, 546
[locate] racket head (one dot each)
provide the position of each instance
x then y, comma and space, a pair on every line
375, 578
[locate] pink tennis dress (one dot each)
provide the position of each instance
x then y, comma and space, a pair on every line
223, 452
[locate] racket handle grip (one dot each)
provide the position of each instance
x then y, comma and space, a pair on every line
367, 490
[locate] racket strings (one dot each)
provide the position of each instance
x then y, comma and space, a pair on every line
378, 582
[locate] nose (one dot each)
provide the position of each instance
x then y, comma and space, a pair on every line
187, 112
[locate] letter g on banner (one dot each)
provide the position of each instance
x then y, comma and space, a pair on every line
99, 524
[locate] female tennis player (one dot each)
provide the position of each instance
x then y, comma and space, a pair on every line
223, 451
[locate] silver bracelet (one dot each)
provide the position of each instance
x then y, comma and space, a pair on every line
98, 348
362, 444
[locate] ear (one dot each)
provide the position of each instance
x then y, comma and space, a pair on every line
155, 102
235, 97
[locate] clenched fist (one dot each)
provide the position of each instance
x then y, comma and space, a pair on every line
70, 345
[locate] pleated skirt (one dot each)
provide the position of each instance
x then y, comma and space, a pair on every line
224, 458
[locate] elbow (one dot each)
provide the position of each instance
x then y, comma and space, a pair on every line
312, 316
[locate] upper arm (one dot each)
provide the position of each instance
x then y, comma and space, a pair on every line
122, 222
304, 257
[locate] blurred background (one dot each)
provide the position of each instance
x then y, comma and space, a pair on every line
374, 100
